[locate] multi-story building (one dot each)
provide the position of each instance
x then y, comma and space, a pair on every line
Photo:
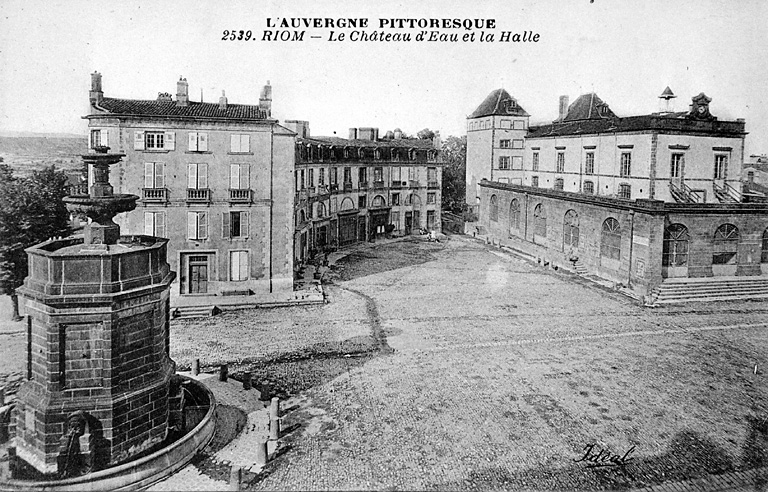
213, 178
363, 188
637, 199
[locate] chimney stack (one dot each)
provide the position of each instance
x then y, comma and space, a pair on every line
182, 92
563, 108
96, 94
666, 101
353, 133
265, 99
223, 101
398, 134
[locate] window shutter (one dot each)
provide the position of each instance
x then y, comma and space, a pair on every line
234, 265
234, 143
245, 178
170, 141
203, 224
105, 137
243, 265
245, 143
160, 224
149, 175
245, 217
192, 176
225, 227
202, 142
192, 225
202, 175
160, 174
192, 141
234, 176
138, 140
149, 223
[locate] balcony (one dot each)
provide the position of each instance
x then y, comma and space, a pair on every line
363, 185
413, 183
240, 195
323, 189
154, 194
200, 195
396, 184
433, 185
378, 185
78, 189
334, 188
348, 186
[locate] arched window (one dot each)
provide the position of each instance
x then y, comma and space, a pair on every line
571, 230
514, 215
347, 204
540, 221
378, 201
675, 252
347, 152
361, 153
764, 255
320, 210
725, 245
610, 242
494, 213
559, 183
395, 155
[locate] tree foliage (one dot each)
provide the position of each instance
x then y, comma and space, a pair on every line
454, 152
31, 211
426, 134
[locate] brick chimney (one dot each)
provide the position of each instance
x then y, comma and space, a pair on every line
353, 133
223, 101
96, 94
265, 99
182, 92
563, 108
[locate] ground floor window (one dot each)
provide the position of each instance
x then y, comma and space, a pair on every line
675, 252
540, 221
610, 242
238, 265
430, 219
725, 245
395, 220
571, 230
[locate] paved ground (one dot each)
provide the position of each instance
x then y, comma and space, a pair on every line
455, 366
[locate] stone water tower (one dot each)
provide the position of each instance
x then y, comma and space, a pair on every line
98, 368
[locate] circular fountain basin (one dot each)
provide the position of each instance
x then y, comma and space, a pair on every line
139, 473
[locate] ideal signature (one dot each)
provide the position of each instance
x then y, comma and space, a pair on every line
595, 457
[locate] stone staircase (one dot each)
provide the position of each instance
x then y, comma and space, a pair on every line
184, 312
678, 290
579, 268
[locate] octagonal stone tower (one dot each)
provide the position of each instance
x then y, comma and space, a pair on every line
98, 366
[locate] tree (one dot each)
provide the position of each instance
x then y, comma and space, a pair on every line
31, 211
426, 134
454, 174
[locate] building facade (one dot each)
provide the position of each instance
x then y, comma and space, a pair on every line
214, 178
636, 199
362, 188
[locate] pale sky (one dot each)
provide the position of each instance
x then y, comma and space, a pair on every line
627, 52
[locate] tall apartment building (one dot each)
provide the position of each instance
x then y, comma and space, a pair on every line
362, 188
216, 179
639, 200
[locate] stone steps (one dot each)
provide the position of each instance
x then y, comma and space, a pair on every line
184, 312
713, 289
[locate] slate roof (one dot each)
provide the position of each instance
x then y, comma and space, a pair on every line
406, 143
136, 107
588, 106
500, 103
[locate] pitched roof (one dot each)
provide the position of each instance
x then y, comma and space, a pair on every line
135, 107
588, 106
667, 94
499, 102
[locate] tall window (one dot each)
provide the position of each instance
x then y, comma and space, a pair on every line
395, 199
610, 242
154, 224
378, 174
625, 191
514, 215
197, 142
302, 178
235, 224
494, 212
535, 181
239, 143
395, 220
559, 183
348, 175
362, 201
571, 230
311, 178
764, 254
675, 248
197, 225
560, 162
396, 175
432, 174
535, 161
154, 175
96, 138
626, 164
540, 221
321, 177
676, 166
430, 219
197, 176
362, 175
334, 177
238, 176
431, 198
589, 187
589, 163
238, 265
721, 162
504, 162
725, 245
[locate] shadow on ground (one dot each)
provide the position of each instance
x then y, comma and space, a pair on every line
411, 251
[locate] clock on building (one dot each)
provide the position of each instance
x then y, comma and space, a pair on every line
700, 107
